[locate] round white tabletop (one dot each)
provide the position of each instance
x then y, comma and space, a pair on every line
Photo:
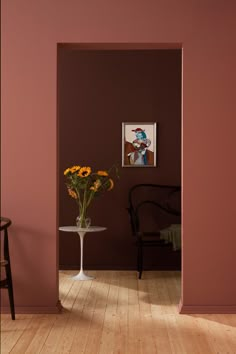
81, 229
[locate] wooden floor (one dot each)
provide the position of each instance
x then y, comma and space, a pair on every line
116, 313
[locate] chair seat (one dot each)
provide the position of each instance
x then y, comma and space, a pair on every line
150, 237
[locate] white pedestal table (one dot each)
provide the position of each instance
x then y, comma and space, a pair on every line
81, 232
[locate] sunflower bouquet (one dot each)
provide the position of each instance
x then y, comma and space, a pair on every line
83, 185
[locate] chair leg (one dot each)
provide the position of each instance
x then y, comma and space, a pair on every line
140, 260
10, 291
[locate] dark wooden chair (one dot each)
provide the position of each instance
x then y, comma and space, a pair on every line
152, 208
7, 282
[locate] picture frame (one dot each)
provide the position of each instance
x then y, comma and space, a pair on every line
139, 144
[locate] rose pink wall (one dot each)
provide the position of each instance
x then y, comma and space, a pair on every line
30, 33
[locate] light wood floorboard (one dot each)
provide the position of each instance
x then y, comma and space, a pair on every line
115, 313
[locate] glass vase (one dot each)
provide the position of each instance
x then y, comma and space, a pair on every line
83, 221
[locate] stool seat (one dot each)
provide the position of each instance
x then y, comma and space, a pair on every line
3, 263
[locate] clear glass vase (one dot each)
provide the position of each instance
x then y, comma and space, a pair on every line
83, 221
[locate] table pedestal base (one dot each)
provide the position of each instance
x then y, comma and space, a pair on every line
81, 231
82, 276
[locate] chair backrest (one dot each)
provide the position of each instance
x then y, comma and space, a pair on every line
4, 224
153, 207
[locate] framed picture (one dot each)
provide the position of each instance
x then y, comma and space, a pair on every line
139, 144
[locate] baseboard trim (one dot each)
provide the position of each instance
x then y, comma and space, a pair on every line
34, 309
208, 309
112, 267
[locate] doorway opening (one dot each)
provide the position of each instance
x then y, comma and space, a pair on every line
101, 86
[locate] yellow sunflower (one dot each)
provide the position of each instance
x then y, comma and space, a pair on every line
75, 168
96, 185
84, 172
67, 171
72, 193
111, 184
102, 173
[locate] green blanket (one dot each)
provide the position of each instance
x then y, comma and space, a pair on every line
172, 234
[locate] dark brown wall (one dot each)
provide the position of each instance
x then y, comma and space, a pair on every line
97, 91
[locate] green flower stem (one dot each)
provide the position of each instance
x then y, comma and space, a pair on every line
90, 198
84, 208
79, 199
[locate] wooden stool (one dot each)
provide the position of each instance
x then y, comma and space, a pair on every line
7, 282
